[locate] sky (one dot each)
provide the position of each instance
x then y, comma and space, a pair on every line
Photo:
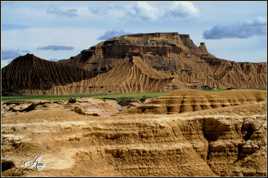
54, 30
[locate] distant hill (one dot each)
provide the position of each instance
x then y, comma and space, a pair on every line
128, 63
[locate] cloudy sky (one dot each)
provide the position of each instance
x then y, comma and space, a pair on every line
58, 30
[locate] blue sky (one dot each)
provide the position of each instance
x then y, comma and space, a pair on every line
58, 30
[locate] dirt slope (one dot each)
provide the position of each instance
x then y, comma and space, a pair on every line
35, 74
222, 141
181, 101
138, 62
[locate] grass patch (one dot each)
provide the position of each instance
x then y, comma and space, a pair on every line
21, 98
126, 98
46, 97
121, 98
218, 89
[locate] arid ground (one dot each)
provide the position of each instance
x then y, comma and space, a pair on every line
134, 89
184, 133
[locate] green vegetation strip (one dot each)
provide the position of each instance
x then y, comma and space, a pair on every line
124, 99
115, 96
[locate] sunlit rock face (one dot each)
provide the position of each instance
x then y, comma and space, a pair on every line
129, 63
184, 133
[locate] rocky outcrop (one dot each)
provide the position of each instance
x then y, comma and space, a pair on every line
182, 101
96, 107
137, 62
228, 140
221, 144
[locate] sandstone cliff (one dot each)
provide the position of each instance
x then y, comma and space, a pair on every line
137, 62
211, 134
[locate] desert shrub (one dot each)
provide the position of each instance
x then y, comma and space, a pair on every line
206, 87
143, 98
72, 100
124, 101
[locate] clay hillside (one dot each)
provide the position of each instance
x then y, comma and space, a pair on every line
128, 63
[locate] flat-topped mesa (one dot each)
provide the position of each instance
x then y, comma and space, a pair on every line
158, 36
162, 44
165, 35
128, 63
151, 36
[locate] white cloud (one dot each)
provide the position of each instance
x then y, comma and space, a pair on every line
156, 11
56, 48
62, 12
245, 29
182, 9
146, 11
112, 11
150, 11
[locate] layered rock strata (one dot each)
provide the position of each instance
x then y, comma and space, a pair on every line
128, 63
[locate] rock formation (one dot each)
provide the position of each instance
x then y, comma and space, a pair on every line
182, 101
137, 62
224, 136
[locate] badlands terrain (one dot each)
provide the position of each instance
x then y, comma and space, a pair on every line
209, 121
183, 133
150, 62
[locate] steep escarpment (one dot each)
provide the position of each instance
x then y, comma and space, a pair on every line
137, 62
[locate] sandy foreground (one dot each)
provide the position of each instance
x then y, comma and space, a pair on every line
101, 138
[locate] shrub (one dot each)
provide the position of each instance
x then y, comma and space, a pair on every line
72, 100
124, 101
143, 98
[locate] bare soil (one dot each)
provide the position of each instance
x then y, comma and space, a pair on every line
226, 140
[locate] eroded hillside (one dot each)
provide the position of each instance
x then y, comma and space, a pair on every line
138, 62
101, 138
